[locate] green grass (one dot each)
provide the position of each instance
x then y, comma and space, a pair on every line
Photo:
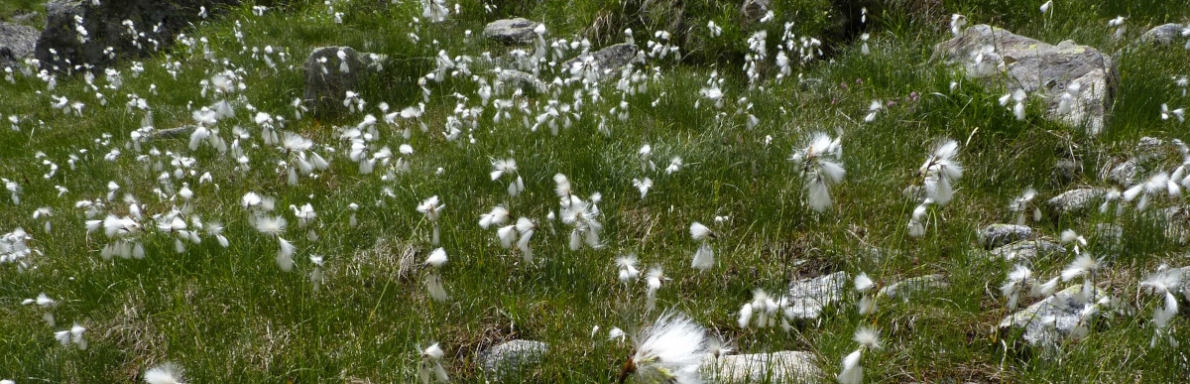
230, 315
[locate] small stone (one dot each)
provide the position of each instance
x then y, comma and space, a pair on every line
172, 133
512, 355
1050, 321
807, 297
1112, 233
908, 287
1177, 223
1066, 171
1075, 200
1162, 34
776, 367
1122, 173
1028, 249
512, 31
995, 235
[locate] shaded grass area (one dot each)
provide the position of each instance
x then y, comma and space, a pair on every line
231, 315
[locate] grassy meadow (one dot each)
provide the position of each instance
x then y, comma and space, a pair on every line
231, 314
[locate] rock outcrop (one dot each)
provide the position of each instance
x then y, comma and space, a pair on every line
95, 34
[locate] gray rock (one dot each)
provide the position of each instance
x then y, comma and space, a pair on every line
326, 81
172, 133
1028, 249
807, 297
512, 355
25, 18
16, 43
1035, 66
776, 367
1066, 170
512, 31
1177, 223
1075, 200
59, 47
1149, 147
1121, 172
995, 235
1162, 34
754, 10
602, 61
1050, 321
914, 285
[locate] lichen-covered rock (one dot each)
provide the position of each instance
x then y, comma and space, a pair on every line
512, 31
905, 288
807, 297
603, 61
330, 73
1050, 321
1028, 249
995, 235
988, 54
16, 43
512, 355
1164, 34
1075, 200
63, 46
776, 367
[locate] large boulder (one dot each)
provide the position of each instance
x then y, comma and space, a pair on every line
1000, 58
330, 73
16, 43
776, 367
512, 31
63, 46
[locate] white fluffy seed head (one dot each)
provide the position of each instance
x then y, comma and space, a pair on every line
167, 373
698, 231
